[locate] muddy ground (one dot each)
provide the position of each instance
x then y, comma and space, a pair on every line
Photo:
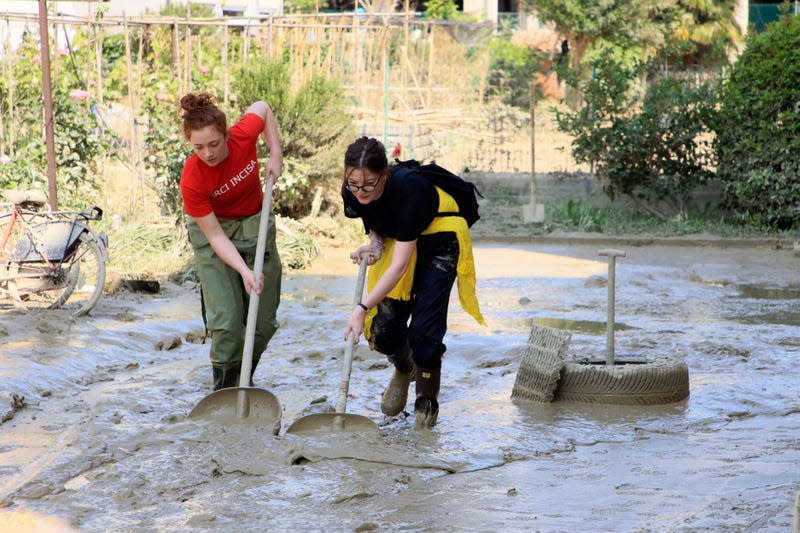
98, 439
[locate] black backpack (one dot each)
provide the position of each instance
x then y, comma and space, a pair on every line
463, 192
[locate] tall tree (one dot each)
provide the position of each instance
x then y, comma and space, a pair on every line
630, 28
704, 32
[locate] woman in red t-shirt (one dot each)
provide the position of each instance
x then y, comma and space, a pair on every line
222, 198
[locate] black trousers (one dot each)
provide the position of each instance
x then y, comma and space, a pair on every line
435, 273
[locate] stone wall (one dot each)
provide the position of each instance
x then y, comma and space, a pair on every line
558, 188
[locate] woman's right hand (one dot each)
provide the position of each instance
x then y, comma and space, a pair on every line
250, 282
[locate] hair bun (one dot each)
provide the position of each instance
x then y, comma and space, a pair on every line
191, 101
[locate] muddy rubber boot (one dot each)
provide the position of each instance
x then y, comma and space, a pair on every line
426, 406
226, 375
395, 396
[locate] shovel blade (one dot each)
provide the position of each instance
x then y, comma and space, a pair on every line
260, 407
322, 424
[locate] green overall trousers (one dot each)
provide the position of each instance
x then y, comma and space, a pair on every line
226, 302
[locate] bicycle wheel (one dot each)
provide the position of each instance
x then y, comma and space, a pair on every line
76, 284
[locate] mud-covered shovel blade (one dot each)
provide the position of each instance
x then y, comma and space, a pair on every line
340, 422
256, 406
322, 424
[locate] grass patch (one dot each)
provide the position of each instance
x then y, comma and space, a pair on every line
576, 216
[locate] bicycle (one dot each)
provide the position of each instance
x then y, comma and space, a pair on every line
50, 259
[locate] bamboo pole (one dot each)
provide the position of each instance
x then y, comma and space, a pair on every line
98, 58
11, 106
357, 52
406, 66
246, 44
187, 55
269, 41
132, 110
225, 78
6, 68
176, 54
431, 63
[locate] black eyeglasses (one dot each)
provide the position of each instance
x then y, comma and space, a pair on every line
367, 187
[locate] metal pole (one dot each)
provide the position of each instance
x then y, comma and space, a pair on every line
47, 91
612, 256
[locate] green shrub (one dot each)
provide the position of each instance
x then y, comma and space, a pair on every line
78, 138
511, 70
758, 128
313, 122
165, 152
441, 9
656, 152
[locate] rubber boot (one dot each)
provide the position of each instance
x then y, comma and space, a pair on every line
426, 406
395, 395
226, 375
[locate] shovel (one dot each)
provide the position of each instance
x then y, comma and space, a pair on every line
256, 405
320, 424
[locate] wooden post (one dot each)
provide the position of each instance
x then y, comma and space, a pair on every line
47, 90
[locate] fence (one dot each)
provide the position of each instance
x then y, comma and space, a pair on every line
411, 81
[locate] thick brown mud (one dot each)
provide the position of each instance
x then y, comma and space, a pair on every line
102, 442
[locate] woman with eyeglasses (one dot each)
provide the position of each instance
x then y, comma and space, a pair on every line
222, 197
416, 256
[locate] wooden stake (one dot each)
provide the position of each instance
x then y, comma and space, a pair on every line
187, 56
47, 90
176, 54
98, 58
431, 63
11, 106
131, 106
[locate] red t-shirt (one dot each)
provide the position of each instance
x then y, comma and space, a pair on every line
232, 189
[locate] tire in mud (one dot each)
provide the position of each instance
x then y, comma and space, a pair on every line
632, 380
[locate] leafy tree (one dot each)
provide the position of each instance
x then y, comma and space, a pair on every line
592, 26
696, 31
758, 131
79, 139
702, 32
511, 69
655, 153
442, 9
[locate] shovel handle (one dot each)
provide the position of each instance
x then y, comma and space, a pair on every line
347, 365
243, 405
